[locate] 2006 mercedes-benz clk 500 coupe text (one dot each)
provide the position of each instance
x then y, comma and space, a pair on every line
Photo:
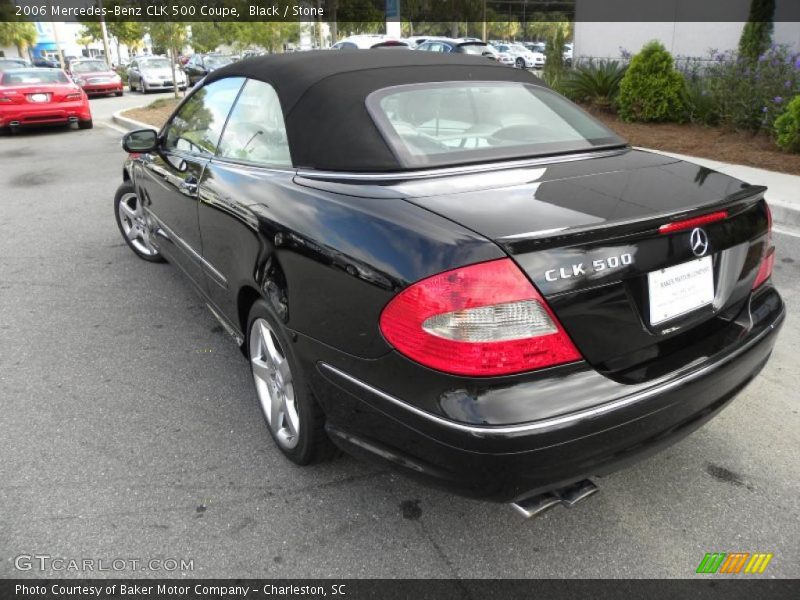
438, 262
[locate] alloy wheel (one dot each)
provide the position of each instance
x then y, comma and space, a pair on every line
134, 224
274, 384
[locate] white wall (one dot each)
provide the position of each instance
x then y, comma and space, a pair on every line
682, 38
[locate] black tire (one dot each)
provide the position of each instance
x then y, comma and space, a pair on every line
85, 124
122, 191
144, 89
313, 445
131, 87
118, 94
519, 63
5, 131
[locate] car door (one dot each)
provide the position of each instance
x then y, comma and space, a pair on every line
133, 73
172, 175
252, 159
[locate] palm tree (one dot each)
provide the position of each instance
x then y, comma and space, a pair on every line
20, 34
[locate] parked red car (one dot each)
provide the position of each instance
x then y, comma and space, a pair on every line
41, 97
96, 77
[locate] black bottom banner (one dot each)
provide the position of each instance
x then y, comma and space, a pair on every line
412, 589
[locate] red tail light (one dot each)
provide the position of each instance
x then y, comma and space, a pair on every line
484, 319
768, 258
693, 222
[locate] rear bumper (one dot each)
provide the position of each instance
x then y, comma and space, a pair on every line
28, 114
513, 461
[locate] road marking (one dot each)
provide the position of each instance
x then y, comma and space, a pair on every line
786, 231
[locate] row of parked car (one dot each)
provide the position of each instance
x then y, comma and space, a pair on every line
529, 55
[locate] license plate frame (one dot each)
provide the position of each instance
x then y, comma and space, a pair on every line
679, 290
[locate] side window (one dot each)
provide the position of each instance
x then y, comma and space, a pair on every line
133, 65
196, 127
256, 132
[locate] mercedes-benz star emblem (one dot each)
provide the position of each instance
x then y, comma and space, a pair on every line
699, 241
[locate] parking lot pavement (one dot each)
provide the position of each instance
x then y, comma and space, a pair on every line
128, 428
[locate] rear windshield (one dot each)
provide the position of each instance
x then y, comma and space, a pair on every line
93, 66
33, 76
436, 124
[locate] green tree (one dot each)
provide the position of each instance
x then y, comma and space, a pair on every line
652, 90
206, 36
20, 34
757, 32
554, 67
171, 36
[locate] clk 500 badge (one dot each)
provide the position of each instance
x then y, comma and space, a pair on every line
579, 269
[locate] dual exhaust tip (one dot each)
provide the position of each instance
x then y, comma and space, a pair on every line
569, 496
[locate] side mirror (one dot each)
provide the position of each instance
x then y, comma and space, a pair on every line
141, 140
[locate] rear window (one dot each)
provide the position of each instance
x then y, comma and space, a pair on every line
435, 124
34, 76
471, 48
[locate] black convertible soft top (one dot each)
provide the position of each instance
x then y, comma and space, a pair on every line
323, 95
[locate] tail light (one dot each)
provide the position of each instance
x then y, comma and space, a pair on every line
768, 257
74, 96
484, 319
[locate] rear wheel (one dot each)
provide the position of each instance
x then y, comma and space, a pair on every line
292, 415
133, 223
85, 124
119, 93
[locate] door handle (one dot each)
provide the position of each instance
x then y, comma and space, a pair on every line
188, 185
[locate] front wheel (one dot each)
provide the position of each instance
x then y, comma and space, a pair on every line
292, 415
520, 63
133, 224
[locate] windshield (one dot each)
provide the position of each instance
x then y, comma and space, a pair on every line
93, 66
155, 63
33, 76
218, 61
435, 124
519, 48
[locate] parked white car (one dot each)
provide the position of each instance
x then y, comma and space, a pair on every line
523, 58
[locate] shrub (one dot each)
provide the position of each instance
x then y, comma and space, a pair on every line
595, 83
750, 95
787, 127
651, 89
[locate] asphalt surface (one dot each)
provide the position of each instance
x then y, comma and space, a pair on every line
129, 429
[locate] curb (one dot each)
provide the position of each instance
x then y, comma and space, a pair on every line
784, 214
128, 123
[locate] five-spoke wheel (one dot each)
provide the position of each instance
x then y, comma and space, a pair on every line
133, 223
274, 384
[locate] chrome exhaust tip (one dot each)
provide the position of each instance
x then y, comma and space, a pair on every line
572, 494
13, 124
535, 505
567, 496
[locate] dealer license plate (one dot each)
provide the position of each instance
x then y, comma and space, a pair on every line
680, 289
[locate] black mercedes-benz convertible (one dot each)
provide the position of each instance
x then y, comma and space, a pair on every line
438, 262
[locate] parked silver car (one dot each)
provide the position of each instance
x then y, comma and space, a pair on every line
151, 73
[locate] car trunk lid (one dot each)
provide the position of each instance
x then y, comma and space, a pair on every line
587, 233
